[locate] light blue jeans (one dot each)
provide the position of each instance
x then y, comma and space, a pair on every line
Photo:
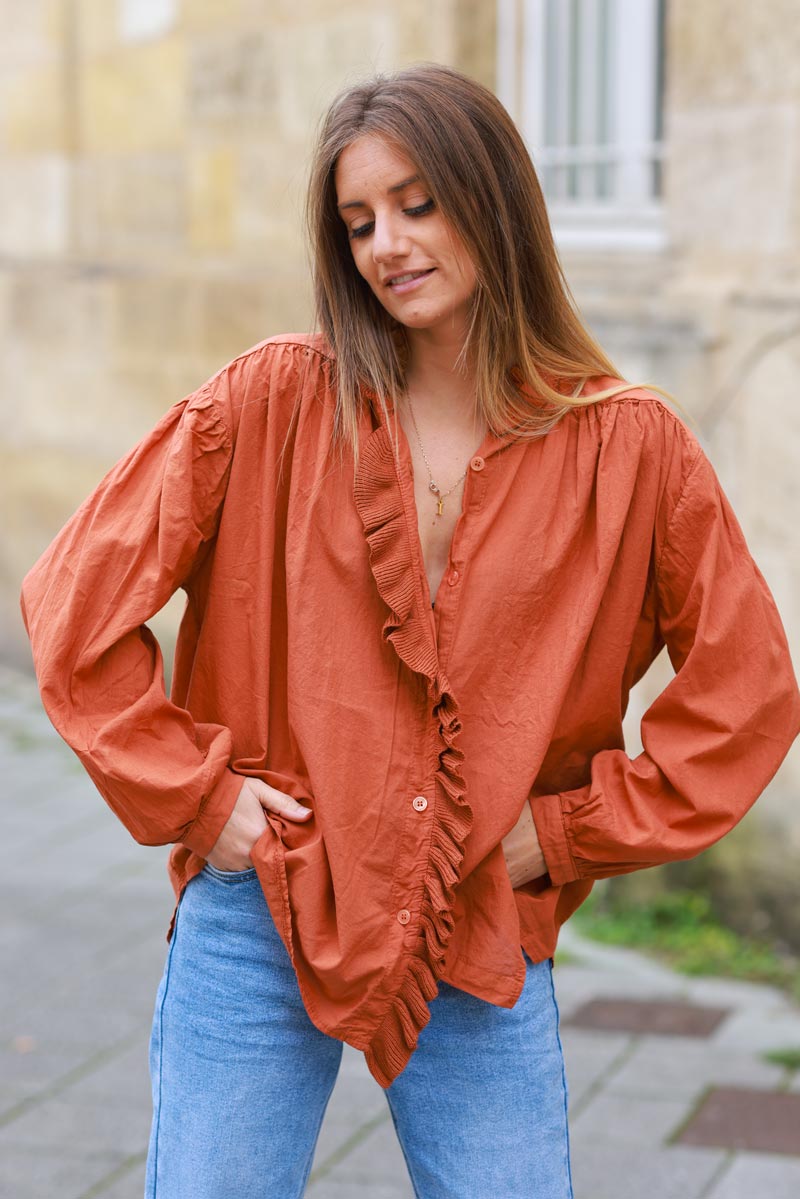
241, 1077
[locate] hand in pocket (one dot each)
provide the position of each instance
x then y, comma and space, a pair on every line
247, 822
522, 851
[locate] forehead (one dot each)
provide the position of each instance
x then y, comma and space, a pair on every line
370, 164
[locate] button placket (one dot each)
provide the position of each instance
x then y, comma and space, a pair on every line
472, 501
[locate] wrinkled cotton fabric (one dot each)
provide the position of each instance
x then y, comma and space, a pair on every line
310, 656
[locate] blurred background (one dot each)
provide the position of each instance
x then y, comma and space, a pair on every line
153, 158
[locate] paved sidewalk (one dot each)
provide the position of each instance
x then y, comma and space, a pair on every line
85, 914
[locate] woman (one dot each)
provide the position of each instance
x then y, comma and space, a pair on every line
426, 553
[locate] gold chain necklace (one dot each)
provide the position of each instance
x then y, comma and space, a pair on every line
432, 486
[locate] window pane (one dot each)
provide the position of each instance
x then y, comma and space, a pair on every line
660, 73
586, 154
603, 97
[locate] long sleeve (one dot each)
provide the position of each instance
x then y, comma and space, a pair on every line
715, 735
114, 564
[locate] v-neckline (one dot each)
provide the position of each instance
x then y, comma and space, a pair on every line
403, 474
407, 491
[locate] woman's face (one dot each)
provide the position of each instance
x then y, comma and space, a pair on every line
396, 231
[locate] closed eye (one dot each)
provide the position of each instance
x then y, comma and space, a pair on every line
420, 210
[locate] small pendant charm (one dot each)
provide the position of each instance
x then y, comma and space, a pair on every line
432, 486
440, 505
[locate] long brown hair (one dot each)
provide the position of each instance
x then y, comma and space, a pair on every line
481, 177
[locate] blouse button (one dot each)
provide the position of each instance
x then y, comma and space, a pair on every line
477, 463
420, 803
454, 577
404, 915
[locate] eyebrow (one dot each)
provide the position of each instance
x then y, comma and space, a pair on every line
396, 188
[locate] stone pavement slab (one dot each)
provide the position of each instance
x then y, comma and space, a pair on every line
680, 1068
614, 1171
589, 1058
49, 1173
746, 1118
663, 1017
345, 1190
127, 1183
758, 1176
374, 1160
356, 1106
646, 1123
82, 947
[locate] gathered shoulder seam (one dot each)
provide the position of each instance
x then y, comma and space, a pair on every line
293, 341
695, 461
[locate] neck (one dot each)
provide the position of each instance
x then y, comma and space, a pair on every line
433, 378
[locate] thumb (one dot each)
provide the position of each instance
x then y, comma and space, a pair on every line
284, 805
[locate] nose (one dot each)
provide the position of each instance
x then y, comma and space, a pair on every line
389, 239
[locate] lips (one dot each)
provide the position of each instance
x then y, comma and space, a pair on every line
408, 277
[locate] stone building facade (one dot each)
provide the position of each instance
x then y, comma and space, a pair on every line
152, 163
152, 169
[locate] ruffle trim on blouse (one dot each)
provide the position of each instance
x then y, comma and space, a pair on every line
379, 502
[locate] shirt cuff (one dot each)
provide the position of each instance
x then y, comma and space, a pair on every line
549, 821
202, 834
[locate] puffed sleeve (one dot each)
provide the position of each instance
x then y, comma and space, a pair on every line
715, 735
99, 668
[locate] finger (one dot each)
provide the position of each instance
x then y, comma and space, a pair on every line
277, 801
285, 806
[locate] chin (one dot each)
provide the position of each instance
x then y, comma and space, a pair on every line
423, 320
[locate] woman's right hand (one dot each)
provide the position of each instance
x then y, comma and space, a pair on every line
247, 822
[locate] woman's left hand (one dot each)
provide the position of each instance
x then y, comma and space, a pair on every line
523, 854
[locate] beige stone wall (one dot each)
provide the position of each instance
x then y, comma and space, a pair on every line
734, 122
153, 156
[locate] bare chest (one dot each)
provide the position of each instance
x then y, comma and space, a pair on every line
448, 459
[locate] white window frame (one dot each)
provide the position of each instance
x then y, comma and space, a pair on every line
634, 217
143, 20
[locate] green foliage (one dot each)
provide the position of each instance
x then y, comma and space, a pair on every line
790, 1058
680, 928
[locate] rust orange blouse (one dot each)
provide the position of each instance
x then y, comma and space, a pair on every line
310, 656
